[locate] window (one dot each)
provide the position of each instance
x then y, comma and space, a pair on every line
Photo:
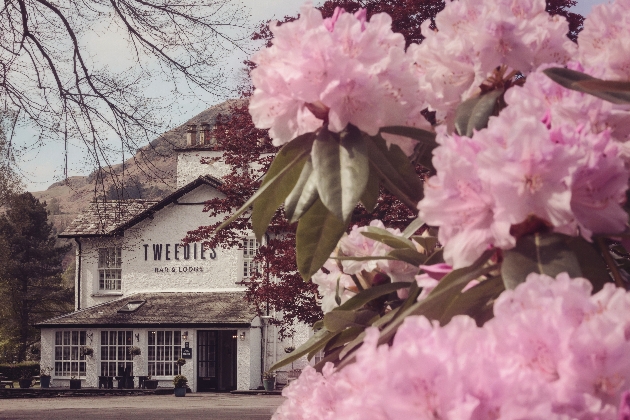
165, 348
68, 358
250, 246
109, 268
115, 357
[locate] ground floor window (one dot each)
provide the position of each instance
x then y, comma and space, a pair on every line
164, 350
69, 360
115, 357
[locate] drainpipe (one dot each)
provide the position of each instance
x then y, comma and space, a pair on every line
78, 275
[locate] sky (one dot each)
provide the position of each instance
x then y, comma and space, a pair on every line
42, 165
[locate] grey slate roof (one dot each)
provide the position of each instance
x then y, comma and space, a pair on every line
109, 218
203, 309
103, 217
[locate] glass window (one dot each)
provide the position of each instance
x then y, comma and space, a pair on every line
115, 357
69, 360
164, 349
109, 268
250, 247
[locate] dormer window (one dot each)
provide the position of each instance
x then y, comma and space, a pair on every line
109, 268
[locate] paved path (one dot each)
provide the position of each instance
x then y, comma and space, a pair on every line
193, 406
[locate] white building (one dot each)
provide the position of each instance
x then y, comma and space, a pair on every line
136, 285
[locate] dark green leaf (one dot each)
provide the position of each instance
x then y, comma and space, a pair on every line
395, 171
436, 258
315, 343
592, 264
333, 357
317, 235
346, 336
475, 302
368, 295
413, 227
427, 242
342, 170
388, 238
303, 195
410, 256
338, 320
371, 193
281, 176
419, 134
474, 113
617, 92
538, 253
369, 258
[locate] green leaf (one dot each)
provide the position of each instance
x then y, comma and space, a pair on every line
281, 176
592, 264
371, 193
368, 295
413, 227
546, 253
388, 238
474, 113
303, 195
317, 235
434, 305
395, 171
427, 242
419, 134
338, 320
342, 170
617, 92
315, 343
475, 302
410, 256
436, 258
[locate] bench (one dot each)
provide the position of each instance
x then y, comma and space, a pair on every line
4, 382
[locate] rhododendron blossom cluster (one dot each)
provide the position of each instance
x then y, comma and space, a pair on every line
552, 351
532, 160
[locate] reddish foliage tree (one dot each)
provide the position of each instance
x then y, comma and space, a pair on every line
278, 286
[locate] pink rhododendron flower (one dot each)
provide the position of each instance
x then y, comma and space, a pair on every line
335, 283
605, 40
344, 69
552, 351
474, 37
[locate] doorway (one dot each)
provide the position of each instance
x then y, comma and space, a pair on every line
216, 360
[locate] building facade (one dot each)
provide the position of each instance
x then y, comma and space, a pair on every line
139, 290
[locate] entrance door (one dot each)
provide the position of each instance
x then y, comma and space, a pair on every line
216, 360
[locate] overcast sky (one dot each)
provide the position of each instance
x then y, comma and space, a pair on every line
41, 166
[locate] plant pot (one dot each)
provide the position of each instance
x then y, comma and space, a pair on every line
75, 383
180, 392
151, 383
44, 381
269, 384
25, 383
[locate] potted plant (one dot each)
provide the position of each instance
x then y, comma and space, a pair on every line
180, 382
269, 381
87, 351
150, 383
75, 383
289, 349
26, 378
134, 351
44, 377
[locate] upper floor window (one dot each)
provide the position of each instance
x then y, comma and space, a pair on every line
250, 247
109, 268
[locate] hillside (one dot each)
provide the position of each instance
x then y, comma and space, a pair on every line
149, 174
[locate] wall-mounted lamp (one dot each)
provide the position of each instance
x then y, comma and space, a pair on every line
137, 337
185, 336
242, 336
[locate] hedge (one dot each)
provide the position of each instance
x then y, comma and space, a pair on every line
13, 371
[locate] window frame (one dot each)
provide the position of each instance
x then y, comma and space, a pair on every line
248, 252
109, 274
157, 353
74, 354
110, 353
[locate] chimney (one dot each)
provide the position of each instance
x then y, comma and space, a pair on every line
191, 135
204, 134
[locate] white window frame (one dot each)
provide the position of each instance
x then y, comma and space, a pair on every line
110, 268
249, 250
163, 353
69, 359
114, 354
